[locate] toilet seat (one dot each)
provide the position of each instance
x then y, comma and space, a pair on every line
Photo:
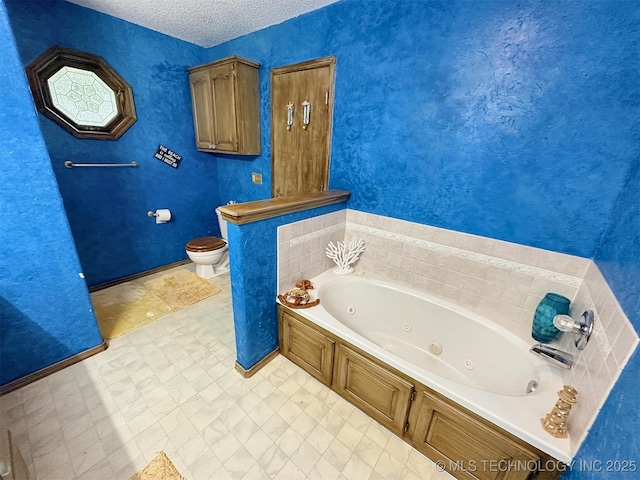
205, 244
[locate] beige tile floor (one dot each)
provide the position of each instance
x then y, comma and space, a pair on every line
171, 385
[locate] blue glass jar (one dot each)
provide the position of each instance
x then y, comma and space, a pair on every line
551, 305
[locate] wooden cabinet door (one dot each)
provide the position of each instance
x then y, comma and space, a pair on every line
306, 347
300, 156
225, 130
201, 96
226, 106
372, 388
247, 100
468, 448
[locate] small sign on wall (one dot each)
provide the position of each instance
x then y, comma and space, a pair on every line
168, 156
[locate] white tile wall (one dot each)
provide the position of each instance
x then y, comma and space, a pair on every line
600, 364
301, 247
502, 281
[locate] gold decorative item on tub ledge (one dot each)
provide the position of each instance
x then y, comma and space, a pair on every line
556, 421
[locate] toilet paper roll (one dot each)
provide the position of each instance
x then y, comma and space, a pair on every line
163, 215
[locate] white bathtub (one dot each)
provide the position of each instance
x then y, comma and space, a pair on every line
481, 365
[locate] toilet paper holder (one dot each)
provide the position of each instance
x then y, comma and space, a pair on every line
162, 215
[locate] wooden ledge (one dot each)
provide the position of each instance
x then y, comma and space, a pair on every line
241, 213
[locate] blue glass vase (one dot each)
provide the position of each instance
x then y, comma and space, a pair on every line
551, 305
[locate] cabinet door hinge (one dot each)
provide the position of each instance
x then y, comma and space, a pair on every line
413, 395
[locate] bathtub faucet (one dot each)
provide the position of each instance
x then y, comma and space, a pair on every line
583, 328
553, 355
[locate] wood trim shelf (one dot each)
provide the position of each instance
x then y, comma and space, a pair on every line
242, 213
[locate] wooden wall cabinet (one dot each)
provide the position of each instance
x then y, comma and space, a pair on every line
468, 446
226, 109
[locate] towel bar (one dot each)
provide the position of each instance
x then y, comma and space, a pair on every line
70, 164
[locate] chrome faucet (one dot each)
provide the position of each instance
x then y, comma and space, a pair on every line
583, 328
564, 323
553, 355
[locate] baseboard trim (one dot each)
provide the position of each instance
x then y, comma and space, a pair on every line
46, 371
135, 276
246, 373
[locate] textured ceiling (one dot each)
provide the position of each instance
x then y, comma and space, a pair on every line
204, 22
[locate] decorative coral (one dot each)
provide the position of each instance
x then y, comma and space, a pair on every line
344, 255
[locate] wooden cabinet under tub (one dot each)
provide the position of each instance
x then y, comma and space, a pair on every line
305, 346
466, 445
372, 388
470, 447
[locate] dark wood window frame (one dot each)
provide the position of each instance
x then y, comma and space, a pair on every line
50, 62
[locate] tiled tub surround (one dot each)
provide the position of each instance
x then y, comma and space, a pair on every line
301, 247
599, 365
499, 280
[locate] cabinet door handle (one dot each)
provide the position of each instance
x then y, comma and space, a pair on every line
290, 109
306, 114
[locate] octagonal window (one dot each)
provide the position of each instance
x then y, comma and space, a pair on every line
82, 93
82, 96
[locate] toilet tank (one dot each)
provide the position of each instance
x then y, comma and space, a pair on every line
222, 223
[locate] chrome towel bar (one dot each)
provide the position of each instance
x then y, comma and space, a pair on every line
70, 164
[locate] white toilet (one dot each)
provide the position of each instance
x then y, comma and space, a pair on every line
210, 254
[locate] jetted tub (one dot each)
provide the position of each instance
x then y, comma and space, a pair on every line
464, 356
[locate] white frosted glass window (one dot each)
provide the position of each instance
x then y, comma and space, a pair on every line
82, 96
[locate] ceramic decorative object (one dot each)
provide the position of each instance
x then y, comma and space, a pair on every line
556, 421
299, 297
543, 329
344, 255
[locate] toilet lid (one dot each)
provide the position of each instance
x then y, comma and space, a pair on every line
205, 244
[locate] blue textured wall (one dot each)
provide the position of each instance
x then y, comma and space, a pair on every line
511, 120
45, 310
618, 255
107, 208
614, 435
253, 252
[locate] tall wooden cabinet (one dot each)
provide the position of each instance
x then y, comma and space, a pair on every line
226, 107
301, 119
